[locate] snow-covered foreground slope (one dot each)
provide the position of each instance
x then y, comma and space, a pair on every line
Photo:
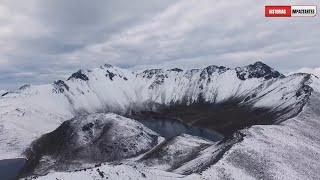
86, 139
174, 152
26, 115
34, 110
119, 172
290, 150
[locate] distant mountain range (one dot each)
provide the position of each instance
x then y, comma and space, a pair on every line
115, 116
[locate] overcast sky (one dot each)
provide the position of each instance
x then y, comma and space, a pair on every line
45, 40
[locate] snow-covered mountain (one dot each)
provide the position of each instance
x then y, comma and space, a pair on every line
289, 150
93, 138
111, 89
35, 110
215, 98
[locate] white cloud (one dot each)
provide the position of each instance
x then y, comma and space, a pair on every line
315, 71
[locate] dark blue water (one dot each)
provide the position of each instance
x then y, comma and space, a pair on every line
170, 128
9, 168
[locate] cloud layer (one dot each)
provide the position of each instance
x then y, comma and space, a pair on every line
315, 71
43, 40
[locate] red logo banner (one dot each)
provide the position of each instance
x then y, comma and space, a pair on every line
278, 11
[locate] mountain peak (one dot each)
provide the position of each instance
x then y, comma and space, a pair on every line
79, 75
259, 63
257, 70
60, 86
220, 69
149, 73
208, 71
176, 70
106, 66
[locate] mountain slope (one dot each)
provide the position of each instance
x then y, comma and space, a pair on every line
93, 138
254, 89
81, 123
289, 150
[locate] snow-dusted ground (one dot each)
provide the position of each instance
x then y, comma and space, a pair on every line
90, 139
26, 115
174, 152
121, 172
290, 150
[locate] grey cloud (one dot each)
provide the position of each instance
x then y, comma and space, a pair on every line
41, 32
62, 36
